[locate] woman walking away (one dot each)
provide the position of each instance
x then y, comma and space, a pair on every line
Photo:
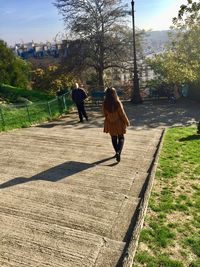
116, 121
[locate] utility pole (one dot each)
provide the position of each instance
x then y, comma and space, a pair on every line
135, 98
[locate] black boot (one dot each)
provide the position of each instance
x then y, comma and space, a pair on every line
114, 143
118, 157
120, 143
119, 147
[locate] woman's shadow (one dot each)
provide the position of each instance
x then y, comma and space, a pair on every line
57, 173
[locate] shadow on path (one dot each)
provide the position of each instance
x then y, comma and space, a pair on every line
160, 113
151, 114
58, 172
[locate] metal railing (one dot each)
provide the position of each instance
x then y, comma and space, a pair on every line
23, 115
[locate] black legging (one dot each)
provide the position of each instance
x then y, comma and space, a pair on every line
118, 142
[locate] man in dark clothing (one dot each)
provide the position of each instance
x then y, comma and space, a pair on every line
78, 96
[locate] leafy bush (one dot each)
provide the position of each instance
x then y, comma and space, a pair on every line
14, 70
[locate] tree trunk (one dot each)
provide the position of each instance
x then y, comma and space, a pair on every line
100, 78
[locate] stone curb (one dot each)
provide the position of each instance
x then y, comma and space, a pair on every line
131, 247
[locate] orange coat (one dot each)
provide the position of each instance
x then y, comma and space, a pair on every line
115, 122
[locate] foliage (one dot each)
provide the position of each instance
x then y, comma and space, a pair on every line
174, 68
171, 229
103, 40
180, 63
50, 79
188, 15
14, 70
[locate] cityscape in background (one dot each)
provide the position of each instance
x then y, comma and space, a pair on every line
37, 50
41, 54
154, 42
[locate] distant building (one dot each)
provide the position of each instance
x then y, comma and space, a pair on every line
41, 50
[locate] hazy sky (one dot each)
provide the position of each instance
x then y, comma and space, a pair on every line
38, 20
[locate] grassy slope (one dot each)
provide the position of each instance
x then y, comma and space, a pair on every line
43, 107
11, 94
171, 233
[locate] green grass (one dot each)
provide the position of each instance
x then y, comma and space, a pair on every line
162, 260
171, 235
160, 235
11, 94
44, 108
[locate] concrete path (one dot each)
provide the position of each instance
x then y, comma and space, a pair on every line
64, 201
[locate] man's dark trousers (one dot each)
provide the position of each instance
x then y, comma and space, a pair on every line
81, 111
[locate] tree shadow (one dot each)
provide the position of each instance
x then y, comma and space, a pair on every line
190, 138
56, 173
153, 114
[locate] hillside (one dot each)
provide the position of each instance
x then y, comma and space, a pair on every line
155, 41
10, 94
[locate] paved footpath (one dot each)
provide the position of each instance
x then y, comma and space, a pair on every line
64, 201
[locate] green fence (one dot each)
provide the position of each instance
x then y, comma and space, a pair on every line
17, 116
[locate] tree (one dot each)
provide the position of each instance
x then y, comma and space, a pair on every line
180, 63
187, 24
101, 34
49, 79
14, 71
188, 15
189, 19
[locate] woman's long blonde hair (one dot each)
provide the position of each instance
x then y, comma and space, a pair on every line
111, 101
